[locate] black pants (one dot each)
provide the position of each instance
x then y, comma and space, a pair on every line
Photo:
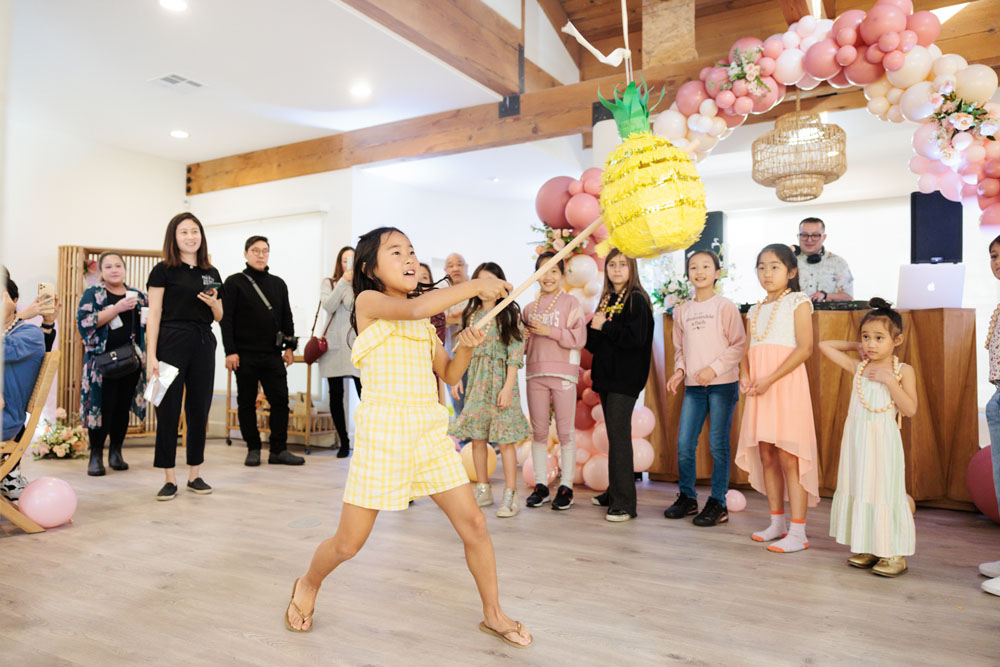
117, 395
191, 348
269, 370
337, 405
621, 478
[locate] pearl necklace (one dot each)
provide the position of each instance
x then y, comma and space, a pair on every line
888, 406
993, 326
770, 321
10, 327
611, 311
535, 317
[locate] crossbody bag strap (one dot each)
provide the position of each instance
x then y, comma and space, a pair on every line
263, 298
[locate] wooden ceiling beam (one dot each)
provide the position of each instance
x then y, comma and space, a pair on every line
558, 18
793, 10
667, 31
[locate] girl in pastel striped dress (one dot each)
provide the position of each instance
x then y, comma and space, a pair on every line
402, 449
870, 510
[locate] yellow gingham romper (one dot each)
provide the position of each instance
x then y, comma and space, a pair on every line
402, 449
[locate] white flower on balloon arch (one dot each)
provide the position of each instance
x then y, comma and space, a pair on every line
665, 278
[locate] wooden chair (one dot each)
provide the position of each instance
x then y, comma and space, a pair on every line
16, 448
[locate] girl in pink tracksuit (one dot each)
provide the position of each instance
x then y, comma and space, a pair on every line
558, 331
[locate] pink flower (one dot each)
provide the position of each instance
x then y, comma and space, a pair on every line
43, 449
558, 244
60, 450
66, 435
947, 87
60, 413
961, 121
950, 157
670, 301
752, 72
937, 100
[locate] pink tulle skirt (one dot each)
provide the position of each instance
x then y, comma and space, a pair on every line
783, 416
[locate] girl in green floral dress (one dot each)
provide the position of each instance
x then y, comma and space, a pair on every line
492, 411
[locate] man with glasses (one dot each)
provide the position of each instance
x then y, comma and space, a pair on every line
258, 336
823, 275
457, 270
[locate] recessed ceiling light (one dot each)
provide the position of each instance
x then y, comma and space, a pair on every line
361, 89
495, 179
174, 5
179, 134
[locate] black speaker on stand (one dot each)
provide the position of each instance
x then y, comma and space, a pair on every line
715, 222
935, 229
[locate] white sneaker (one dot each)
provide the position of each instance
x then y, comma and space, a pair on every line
992, 586
508, 507
484, 495
991, 570
13, 484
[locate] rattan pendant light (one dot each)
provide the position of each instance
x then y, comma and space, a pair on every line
799, 156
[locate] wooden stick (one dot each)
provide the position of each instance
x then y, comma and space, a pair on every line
580, 238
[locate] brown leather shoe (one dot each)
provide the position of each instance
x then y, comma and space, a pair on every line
890, 567
862, 560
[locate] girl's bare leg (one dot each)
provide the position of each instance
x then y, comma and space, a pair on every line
479, 458
797, 496
774, 479
508, 455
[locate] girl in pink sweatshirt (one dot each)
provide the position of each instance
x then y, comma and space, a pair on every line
558, 331
708, 345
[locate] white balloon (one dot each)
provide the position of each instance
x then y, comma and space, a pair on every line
878, 89
791, 40
878, 106
719, 127
949, 64
961, 140
894, 95
788, 66
594, 287
580, 270
708, 142
806, 25
895, 115
708, 108
807, 42
935, 51
976, 83
692, 122
670, 124
823, 27
915, 102
807, 82
705, 123
916, 66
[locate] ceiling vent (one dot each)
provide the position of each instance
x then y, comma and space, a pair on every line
177, 82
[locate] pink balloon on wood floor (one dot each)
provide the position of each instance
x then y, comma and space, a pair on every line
642, 455
595, 473
643, 422
48, 501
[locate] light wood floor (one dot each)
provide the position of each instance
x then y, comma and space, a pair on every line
204, 580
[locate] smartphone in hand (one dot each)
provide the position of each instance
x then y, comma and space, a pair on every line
211, 286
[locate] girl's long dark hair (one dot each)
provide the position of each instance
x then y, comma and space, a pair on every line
508, 321
365, 262
172, 253
633, 284
786, 256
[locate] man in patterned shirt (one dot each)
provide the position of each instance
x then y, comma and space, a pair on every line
823, 275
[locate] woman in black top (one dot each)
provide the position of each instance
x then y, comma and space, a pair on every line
107, 318
184, 300
620, 337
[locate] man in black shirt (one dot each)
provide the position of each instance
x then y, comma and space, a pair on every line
257, 333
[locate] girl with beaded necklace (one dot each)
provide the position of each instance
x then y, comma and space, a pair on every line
620, 337
777, 445
870, 510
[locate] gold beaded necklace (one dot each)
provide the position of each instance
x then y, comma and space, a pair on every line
891, 404
770, 321
10, 327
611, 311
993, 327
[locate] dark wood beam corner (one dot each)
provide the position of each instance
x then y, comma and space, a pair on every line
794, 9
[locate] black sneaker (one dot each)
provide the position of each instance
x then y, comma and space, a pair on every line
285, 457
563, 499
601, 500
539, 496
168, 492
253, 458
617, 516
199, 486
712, 514
682, 507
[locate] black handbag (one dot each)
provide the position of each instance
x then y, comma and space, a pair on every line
121, 361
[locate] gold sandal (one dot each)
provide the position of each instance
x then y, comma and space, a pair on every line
292, 605
503, 635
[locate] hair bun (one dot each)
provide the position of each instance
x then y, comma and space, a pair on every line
878, 303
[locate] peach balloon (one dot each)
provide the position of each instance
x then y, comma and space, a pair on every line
725, 99
597, 412
846, 55
735, 501
600, 437
926, 25
642, 455
905, 5
882, 18
575, 187
595, 473
773, 47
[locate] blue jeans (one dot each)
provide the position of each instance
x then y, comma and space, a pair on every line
993, 421
459, 403
718, 401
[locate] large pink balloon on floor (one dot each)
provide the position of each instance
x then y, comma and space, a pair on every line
582, 209
583, 419
528, 470
595, 473
690, 96
979, 481
601, 438
735, 501
48, 501
642, 455
551, 200
643, 422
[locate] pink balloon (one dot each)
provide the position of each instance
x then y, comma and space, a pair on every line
735, 501
734, 120
882, 18
821, 60
926, 25
726, 99
642, 455
590, 398
919, 164
986, 202
597, 412
582, 209
925, 141
951, 186
528, 470
588, 378
583, 420
643, 422
690, 96
992, 168
575, 188
990, 216
975, 153
888, 42
847, 37
788, 66
600, 436
48, 501
989, 187
849, 20
595, 473
874, 55
716, 79
907, 40
740, 88
992, 150
846, 55
928, 183
743, 44
770, 98
592, 186
766, 66
905, 5
584, 441
894, 61
969, 192
551, 200
592, 172
840, 81
773, 47
743, 106
937, 167
704, 73
578, 475
861, 72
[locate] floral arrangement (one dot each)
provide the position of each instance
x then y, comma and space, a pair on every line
959, 123
60, 440
556, 239
744, 67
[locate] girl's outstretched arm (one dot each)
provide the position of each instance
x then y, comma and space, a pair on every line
451, 369
373, 305
836, 351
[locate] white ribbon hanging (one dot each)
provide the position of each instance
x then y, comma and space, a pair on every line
614, 59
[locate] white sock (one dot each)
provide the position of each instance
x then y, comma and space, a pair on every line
540, 460
568, 463
774, 531
796, 539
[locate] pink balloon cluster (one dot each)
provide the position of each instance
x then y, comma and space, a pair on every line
564, 202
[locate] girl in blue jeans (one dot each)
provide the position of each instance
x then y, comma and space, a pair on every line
992, 570
708, 344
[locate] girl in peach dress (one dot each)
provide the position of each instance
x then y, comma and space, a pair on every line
777, 445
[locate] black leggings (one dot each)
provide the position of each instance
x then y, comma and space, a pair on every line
191, 348
117, 395
337, 405
621, 478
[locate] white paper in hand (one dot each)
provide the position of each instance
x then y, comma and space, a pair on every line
157, 388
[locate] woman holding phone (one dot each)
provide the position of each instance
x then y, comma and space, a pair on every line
337, 298
184, 300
